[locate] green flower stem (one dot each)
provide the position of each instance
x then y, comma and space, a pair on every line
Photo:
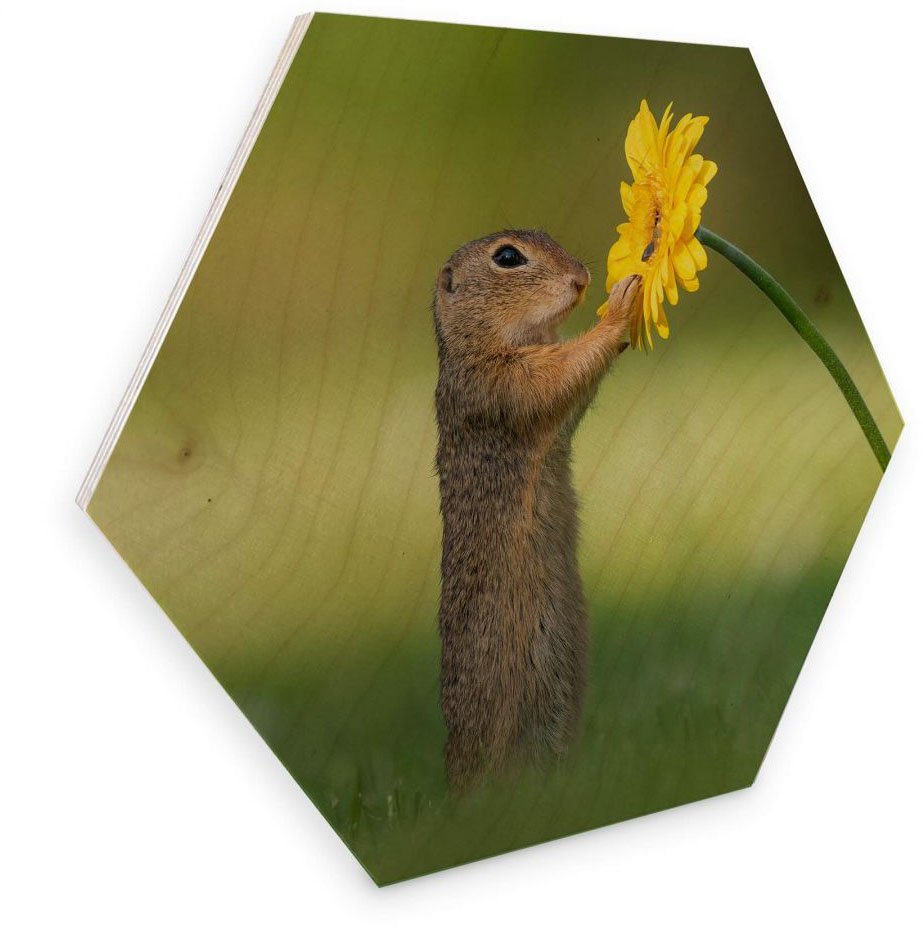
808, 331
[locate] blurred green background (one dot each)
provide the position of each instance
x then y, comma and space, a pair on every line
274, 486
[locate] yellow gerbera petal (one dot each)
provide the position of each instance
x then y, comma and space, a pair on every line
641, 147
670, 287
664, 128
698, 254
636, 330
697, 196
675, 139
654, 309
620, 249
683, 263
663, 272
692, 134
708, 171
691, 224
677, 220
627, 198
617, 270
687, 175
663, 329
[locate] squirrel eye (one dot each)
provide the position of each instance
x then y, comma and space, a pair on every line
508, 256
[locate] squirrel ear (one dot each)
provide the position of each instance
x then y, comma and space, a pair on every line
445, 279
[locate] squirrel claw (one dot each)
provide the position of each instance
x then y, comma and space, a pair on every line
622, 298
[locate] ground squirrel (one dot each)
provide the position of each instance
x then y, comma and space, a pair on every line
512, 616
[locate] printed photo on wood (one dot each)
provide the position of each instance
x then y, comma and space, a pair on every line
506, 434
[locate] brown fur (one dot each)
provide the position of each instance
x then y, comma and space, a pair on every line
512, 614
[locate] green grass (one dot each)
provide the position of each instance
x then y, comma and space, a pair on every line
682, 704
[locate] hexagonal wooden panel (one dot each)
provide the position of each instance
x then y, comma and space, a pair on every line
270, 476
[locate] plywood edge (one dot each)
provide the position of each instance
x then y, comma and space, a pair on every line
231, 176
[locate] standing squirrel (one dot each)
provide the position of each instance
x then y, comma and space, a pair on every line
512, 615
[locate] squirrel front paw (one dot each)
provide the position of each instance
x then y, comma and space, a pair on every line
623, 300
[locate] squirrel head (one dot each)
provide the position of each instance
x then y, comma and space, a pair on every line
514, 287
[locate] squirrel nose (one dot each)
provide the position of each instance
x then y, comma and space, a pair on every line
581, 280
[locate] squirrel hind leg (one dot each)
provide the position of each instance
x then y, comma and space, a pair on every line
552, 736
467, 766
462, 768
554, 728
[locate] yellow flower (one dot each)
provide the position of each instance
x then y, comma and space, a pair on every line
664, 205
